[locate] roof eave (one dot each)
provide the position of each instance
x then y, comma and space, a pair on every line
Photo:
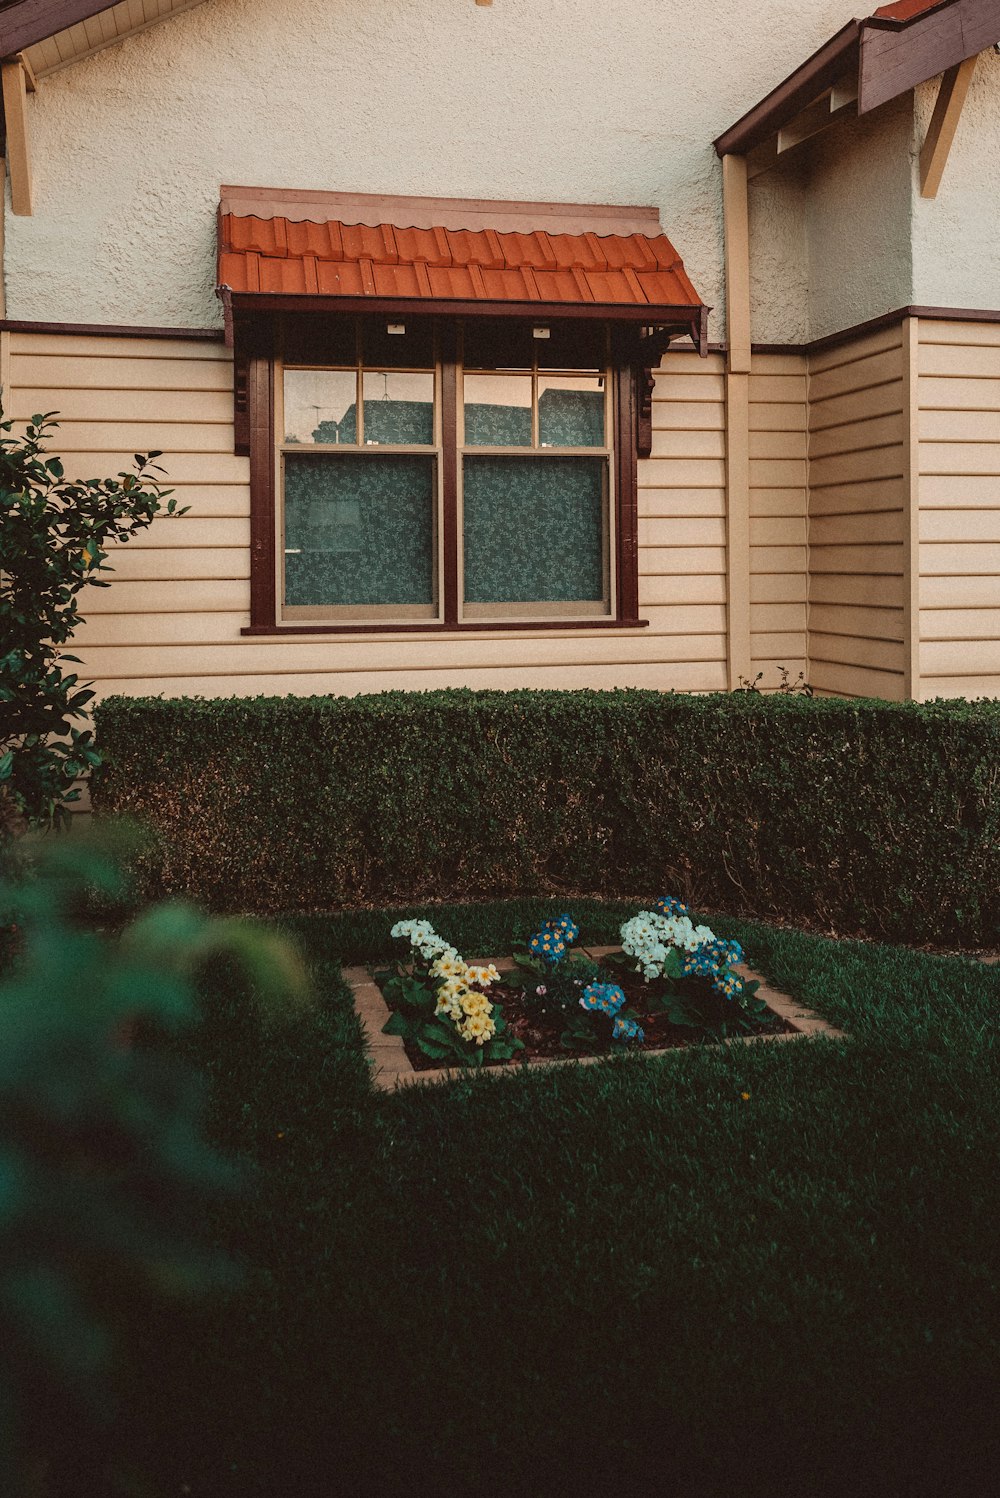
840, 55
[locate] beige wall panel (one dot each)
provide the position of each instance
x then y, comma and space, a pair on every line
117, 407
964, 361
668, 616
688, 416
830, 679
688, 677
142, 437
970, 491
129, 630
960, 624
934, 330
969, 687
856, 529
57, 372
960, 657
860, 466
959, 458
960, 525
843, 650
691, 449
776, 416
856, 517
674, 382
777, 559
780, 618
859, 498
681, 503
77, 346
856, 621
696, 589
775, 389
778, 473
953, 425
778, 530
667, 561
957, 559
191, 596
771, 444
865, 374
664, 474
765, 503
866, 346
852, 560
778, 587
960, 592
857, 436
168, 563
857, 405
181, 467
209, 501
784, 647
697, 532
860, 589
189, 531
957, 394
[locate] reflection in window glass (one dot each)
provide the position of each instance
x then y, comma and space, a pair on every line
321, 405
498, 410
398, 408
571, 410
358, 530
534, 530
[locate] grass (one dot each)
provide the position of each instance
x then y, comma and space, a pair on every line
628, 1278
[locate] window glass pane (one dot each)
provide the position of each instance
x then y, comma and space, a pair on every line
571, 410
398, 408
534, 529
321, 405
358, 530
498, 410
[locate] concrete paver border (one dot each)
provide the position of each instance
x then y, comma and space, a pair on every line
393, 1068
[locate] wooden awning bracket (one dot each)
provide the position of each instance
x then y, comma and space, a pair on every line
17, 81
952, 94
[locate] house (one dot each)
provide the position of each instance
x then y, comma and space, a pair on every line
499, 344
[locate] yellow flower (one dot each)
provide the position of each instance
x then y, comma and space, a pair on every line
483, 976
450, 967
745, 1096
476, 1003
478, 1027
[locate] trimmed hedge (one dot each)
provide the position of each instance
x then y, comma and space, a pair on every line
863, 817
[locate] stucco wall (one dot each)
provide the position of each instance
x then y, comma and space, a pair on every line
571, 99
956, 236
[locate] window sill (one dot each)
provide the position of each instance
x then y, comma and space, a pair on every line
478, 626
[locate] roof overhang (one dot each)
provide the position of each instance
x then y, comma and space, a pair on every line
284, 252
873, 60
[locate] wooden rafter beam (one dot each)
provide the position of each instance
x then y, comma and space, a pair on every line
29, 21
951, 99
14, 79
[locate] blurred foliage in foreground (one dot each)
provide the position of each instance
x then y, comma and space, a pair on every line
106, 1180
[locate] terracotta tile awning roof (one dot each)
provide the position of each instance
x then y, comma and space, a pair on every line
436, 251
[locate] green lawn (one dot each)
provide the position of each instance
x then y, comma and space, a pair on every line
616, 1279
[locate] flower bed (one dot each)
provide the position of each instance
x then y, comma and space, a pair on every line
672, 984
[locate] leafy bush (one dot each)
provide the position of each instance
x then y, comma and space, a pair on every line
859, 816
55, 538
106, 1177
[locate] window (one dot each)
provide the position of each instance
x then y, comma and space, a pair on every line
449, 474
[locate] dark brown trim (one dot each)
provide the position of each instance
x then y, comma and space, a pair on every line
819, 72
449, 474
110, 330
260, 396
29, 21
686, 319
873, 325
479, 626
627, 493
898, 55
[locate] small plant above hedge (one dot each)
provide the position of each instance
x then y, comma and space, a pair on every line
861, 817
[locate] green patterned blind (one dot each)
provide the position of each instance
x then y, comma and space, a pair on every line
359, 530
534, 529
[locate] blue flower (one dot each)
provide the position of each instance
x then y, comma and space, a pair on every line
567, 928
602, 998
670, 906
548, 945
628, 1029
